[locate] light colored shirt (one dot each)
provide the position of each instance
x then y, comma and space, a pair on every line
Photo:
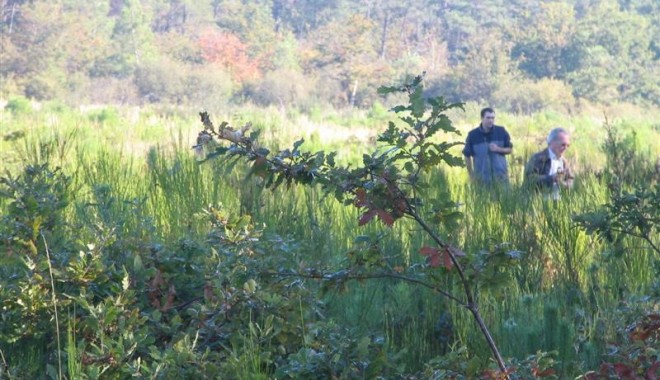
556, 163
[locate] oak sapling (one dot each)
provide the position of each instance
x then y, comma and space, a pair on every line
389, 185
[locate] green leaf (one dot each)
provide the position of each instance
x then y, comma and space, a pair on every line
398, 109
331, 159
418, 104
262, 152
384, 90
297, 145
361, 239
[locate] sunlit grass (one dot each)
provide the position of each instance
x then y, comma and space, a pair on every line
564, 293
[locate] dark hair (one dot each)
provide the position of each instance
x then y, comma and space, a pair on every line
485, 110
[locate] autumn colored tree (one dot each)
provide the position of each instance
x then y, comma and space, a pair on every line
50, 47
227, 50
605, 51
251, 21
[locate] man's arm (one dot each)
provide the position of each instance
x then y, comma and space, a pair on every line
468, 153
567, 177
498, 149
533, 175
507, 147
468, 164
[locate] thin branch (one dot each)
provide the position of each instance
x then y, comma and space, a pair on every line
471, 304
57, 321
368, 276
640, 236
655, 247
5, 366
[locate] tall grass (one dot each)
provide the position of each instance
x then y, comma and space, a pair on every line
562, 296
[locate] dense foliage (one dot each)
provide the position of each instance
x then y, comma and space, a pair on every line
518, 55
163, 267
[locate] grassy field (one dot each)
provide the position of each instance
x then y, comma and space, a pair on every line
135, 180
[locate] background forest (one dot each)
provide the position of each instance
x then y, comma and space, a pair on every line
521, 56
317, 228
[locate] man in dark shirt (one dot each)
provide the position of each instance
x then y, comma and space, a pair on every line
485, 150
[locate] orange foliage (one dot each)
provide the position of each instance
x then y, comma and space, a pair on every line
227, 50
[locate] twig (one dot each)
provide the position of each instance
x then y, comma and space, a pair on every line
5, 366
369, 276
57, 321
471, 302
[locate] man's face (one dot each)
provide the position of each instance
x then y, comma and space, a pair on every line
488, 120
560, 144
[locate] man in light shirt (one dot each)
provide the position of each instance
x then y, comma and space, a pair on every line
549, 167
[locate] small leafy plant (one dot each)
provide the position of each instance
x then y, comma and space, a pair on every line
389, 186
634, 205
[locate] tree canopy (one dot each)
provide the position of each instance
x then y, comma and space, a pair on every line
603, 51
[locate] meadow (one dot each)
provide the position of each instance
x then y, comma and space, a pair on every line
130, 260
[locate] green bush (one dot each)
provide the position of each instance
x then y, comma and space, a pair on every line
160, 81
283, 87
169, 81
527, 96
42, 87
105, 115
378, 111
209, 87
18, 105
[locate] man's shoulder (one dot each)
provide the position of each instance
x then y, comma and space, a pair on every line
475, 134
499, 129
541, 155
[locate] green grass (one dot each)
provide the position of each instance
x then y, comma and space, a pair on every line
133, 171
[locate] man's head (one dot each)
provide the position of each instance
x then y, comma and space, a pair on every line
487, 117
558, 141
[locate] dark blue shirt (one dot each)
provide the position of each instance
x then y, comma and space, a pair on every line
488, 165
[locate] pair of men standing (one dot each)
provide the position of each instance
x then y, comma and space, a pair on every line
486, 148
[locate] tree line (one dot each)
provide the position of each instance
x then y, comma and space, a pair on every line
518, 55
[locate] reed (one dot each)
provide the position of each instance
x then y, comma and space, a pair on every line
135, 172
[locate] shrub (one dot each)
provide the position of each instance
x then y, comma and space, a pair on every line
173, 82
42, 88
207, 86
283, 87
160, 81
18, 105
387, 188
105, 115
527, 96
636, 357
378, 111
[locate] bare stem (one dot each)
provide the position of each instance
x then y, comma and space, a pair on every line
368, 276
5, 366
57, 321
471, 302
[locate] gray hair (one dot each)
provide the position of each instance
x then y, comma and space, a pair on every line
552, 136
